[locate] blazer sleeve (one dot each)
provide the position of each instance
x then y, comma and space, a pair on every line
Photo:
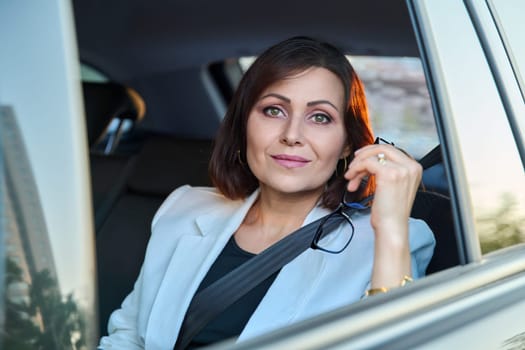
123, 325
422, 243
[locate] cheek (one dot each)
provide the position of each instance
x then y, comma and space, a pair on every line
329, 146
252, 137
260, 133
256, 140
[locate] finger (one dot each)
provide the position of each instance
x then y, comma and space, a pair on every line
356, 182
405, 174
391, 153
364, 165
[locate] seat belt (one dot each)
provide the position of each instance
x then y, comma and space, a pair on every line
432, 158
218, 296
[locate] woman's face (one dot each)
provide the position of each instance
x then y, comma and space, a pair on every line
295, 132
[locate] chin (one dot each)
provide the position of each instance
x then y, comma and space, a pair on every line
296, 189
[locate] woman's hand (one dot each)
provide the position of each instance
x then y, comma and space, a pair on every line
397, 179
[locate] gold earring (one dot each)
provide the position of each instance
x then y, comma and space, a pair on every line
344, 168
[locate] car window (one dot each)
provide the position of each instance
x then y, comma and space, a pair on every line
91, 74
483, 155
503, 225
398, 100
399, 103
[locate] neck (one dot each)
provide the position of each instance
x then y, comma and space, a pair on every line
278, 214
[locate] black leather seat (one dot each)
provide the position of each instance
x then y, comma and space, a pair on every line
435, 209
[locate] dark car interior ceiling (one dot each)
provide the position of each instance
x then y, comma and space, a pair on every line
166, 53
136, 38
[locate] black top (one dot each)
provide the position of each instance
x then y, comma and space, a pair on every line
231, 321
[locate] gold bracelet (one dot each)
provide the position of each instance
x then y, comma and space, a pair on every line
372, 291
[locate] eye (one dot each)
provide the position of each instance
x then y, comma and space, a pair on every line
273, 112
320, 118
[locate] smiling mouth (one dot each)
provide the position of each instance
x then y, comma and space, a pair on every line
289, 161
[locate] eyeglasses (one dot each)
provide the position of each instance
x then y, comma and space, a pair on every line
380, 140
341, 215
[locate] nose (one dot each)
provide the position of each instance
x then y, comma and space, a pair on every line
292, 134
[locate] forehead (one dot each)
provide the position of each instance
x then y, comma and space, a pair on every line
312, 83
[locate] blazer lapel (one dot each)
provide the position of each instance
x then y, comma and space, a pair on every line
190, 261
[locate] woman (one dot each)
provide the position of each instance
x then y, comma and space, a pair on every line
298, 115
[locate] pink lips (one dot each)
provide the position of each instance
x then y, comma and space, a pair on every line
289, 161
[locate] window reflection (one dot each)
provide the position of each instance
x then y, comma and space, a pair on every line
503, 227
515, 343
36, 314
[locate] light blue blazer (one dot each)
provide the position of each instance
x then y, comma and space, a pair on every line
189, 231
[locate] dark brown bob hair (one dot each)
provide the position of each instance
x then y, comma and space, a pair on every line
229, 169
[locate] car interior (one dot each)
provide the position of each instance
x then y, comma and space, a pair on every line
169, 71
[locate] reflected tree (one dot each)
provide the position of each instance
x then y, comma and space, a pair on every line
503, 227
517, 342
42, 320
20, 330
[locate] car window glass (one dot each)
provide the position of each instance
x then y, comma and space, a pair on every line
398, 99
399, 102
498, 193
496, 170
91, 74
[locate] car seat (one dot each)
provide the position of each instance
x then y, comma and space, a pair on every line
433, 205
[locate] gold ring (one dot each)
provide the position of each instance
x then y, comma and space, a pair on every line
381, 158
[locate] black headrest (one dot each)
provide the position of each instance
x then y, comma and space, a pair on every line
105, 101
165, 163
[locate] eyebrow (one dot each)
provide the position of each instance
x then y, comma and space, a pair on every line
312, 103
